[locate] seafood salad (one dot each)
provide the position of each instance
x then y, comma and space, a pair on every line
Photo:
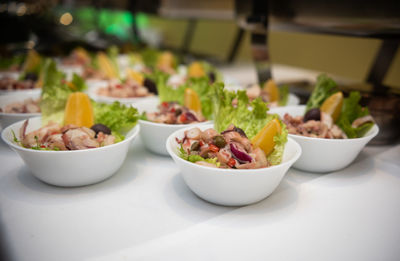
27, 106
126, 89
69, 137
228, 149
10, 84
315, 124
330, 115
173, 113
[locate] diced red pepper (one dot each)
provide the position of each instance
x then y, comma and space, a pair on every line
182, 118
231, 162
42, 146
201, 143
173, 110
213, 148
118, 86
164, 104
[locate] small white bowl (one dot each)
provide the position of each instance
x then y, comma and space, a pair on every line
325, 155
93, 88
155, 134
10, 118
231, 187
70, 168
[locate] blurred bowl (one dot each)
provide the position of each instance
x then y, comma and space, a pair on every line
7, 119
325, 155
231, 187
70, 168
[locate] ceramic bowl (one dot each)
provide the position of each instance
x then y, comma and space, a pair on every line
154, 135
325, 155
70, 168
231, 187
10, 118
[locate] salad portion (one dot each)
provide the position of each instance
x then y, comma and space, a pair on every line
26, 106
173, 113
269, 92
71, 121
330, 115
245, 136
125, 89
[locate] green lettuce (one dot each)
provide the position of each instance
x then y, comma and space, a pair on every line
324, 88
283, 95
251, 117
200, 85
351, 110
118, 117
195, 158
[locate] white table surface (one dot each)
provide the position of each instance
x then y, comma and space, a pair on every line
146, 212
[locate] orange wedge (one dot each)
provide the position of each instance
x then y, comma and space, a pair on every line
333, 105
272, 89
134, 75
166, 60
196, 70
32, 61
106, 66
192, 100
264, 139
78, 110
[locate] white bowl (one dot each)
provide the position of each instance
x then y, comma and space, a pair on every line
9, 118
70, 168
154, 135
93, 93
231, 187
325, 155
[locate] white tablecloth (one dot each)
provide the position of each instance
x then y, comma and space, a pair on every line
146, 212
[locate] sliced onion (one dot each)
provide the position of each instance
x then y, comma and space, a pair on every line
239, 154
191, 117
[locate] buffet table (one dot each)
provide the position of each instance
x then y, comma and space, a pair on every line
146, 212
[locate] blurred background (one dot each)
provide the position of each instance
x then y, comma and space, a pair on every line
354, 41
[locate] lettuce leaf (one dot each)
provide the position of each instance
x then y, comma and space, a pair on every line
250, 120
118, 117
195, 158
324, 88
351, 110
284, 95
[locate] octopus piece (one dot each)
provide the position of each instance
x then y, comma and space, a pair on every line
80, 138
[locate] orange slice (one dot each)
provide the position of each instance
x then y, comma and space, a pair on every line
192, 100
272, 89
78, 110
32, 61
166, 60
134, 75
333, 105
196, 70
106, 66
264, 139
